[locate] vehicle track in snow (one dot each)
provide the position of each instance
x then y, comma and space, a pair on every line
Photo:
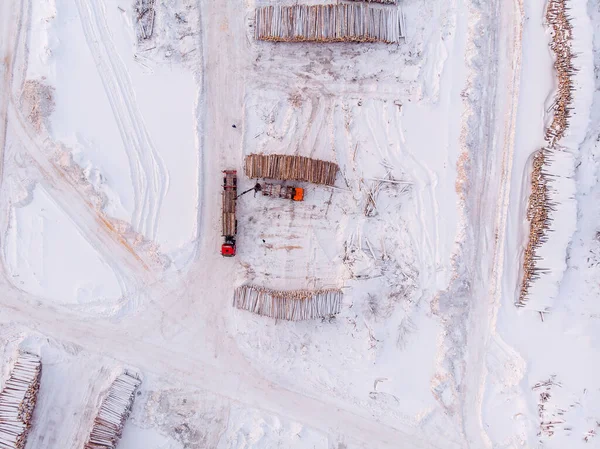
94, 227
473, 298
148, 172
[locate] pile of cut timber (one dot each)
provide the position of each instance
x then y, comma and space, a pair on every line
385, 2
558, 18
538, 215
291, 305
17, 401
114, 411
540, 208
329, 23
293, 168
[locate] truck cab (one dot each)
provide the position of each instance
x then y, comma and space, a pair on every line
228, 249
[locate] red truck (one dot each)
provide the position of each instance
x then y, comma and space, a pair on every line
229, 218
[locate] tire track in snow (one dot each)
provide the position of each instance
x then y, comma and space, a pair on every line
93, 227
148, 173
492, 108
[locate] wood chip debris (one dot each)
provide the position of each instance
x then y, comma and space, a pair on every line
113, 413
291, 305
292, 168
18, 399
329, 23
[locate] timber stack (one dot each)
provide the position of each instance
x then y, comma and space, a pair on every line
384, 2
540, 205
292, 168
291, 305
538, 215
557, 17
329, 23
114, 411
17, 401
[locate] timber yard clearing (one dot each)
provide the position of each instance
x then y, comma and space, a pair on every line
310, 224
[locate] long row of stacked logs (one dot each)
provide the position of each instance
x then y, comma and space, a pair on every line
291, 305
292, 168
562, 34
17, 401
385, 2
328, 23
540, 205
114, 411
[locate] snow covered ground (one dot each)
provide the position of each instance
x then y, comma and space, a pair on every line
112, 152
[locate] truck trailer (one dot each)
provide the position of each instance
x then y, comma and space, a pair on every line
229, 217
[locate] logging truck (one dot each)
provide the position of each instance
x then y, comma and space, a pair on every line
229, 218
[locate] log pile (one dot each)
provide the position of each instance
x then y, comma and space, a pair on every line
538, 215
385, 2
17, 401
557, 17
113, 413
293, 168
540, 206
329, 23
291, 305
144, 18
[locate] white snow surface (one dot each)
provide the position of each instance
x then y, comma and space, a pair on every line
110, 197
40, 260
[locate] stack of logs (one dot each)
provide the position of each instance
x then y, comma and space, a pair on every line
144, 10
114, 411
291, 305
17, 401
328, 23
557, 17
293, 168
385, 2
540, 206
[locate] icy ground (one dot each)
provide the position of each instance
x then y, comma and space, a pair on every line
112, 152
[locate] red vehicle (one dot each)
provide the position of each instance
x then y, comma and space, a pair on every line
229, 218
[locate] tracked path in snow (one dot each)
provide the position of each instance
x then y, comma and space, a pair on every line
492, 102
129, 267
148, 172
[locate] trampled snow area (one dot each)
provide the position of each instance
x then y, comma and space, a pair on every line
113, 148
